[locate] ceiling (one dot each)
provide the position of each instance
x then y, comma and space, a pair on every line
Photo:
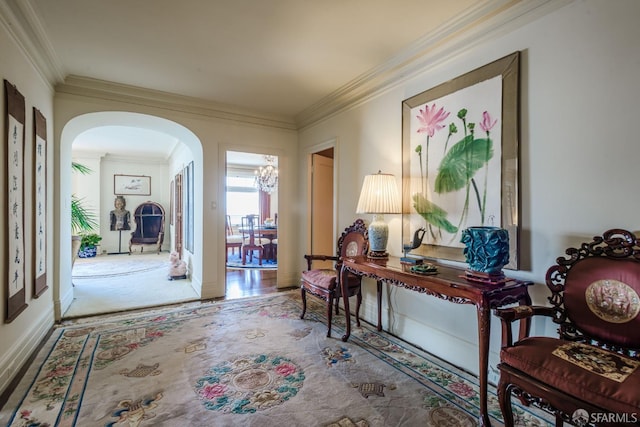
274, 57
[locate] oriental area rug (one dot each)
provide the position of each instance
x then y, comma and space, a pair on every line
234, 261
248, 362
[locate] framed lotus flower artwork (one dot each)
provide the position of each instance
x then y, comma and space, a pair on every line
460, 159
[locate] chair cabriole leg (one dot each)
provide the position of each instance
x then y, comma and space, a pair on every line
303, 294
329, 314
504, 398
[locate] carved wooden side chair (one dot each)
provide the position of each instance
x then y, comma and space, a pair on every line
324, 283
589, 373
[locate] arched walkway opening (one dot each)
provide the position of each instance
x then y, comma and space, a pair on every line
187, 151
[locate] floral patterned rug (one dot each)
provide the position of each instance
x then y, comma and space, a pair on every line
250, 362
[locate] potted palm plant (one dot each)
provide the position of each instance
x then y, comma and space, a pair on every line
83, 220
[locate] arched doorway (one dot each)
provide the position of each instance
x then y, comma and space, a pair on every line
189, 153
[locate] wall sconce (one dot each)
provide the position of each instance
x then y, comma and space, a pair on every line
379, 196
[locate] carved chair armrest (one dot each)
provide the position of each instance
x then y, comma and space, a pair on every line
522, 313
311, 258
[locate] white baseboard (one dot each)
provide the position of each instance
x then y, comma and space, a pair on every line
63, 305
28, 344
437, 341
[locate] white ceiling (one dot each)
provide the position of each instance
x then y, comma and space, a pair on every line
276, 57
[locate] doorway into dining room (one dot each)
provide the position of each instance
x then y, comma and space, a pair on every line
251, 193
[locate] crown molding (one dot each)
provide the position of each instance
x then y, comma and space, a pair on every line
486, 19
111, 91
23, 25
479, 23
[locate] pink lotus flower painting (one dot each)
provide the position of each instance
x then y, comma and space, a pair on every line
453, 159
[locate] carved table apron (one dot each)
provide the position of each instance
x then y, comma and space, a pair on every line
451, 285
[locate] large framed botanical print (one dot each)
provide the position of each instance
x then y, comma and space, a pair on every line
460, 159
14, 202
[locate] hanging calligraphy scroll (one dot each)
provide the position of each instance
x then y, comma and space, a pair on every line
39, 203
14, 197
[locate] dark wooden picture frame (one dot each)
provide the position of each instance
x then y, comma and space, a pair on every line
131, 185
460, 159
188, 206
172, 197
39, 203
14, 201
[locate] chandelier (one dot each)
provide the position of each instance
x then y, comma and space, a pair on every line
267, 176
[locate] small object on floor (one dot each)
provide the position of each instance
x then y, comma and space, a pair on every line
178, 268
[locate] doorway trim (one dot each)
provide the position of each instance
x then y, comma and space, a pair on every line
283, 228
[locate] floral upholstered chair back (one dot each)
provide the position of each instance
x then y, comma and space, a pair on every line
596, 292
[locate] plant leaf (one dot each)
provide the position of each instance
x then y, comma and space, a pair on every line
432, 213
82, 219
80, 168
461, 163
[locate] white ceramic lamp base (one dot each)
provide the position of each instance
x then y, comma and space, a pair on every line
378, 237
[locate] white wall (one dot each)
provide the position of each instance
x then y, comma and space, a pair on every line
20, 338
158, 171
579, 92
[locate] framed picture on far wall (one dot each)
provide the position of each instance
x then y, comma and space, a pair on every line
132, 185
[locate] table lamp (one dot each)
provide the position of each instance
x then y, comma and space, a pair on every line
379, 196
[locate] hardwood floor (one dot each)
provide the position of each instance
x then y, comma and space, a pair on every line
250, 282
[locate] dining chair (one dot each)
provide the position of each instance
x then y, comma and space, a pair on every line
251, 241
233, 240
325, 283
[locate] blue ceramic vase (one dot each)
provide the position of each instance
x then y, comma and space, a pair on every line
88, 252
486, 249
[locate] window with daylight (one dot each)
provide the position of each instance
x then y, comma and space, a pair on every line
242, 197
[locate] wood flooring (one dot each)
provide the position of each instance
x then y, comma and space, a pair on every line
250, 282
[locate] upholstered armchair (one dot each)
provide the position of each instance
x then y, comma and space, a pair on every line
324, 283
589, 373
149, 219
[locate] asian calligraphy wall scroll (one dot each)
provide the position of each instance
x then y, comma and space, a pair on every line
14, 196
39, 203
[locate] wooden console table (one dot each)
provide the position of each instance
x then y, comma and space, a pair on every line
451, 285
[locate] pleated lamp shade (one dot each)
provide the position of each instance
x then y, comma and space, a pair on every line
379, 196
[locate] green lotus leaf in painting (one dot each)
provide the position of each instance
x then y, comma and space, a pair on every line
461, 163
432, 213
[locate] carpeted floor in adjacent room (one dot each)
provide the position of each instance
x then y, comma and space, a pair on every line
111, 283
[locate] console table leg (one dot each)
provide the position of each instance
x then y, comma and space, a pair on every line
379, 285
345, 298
484, 328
